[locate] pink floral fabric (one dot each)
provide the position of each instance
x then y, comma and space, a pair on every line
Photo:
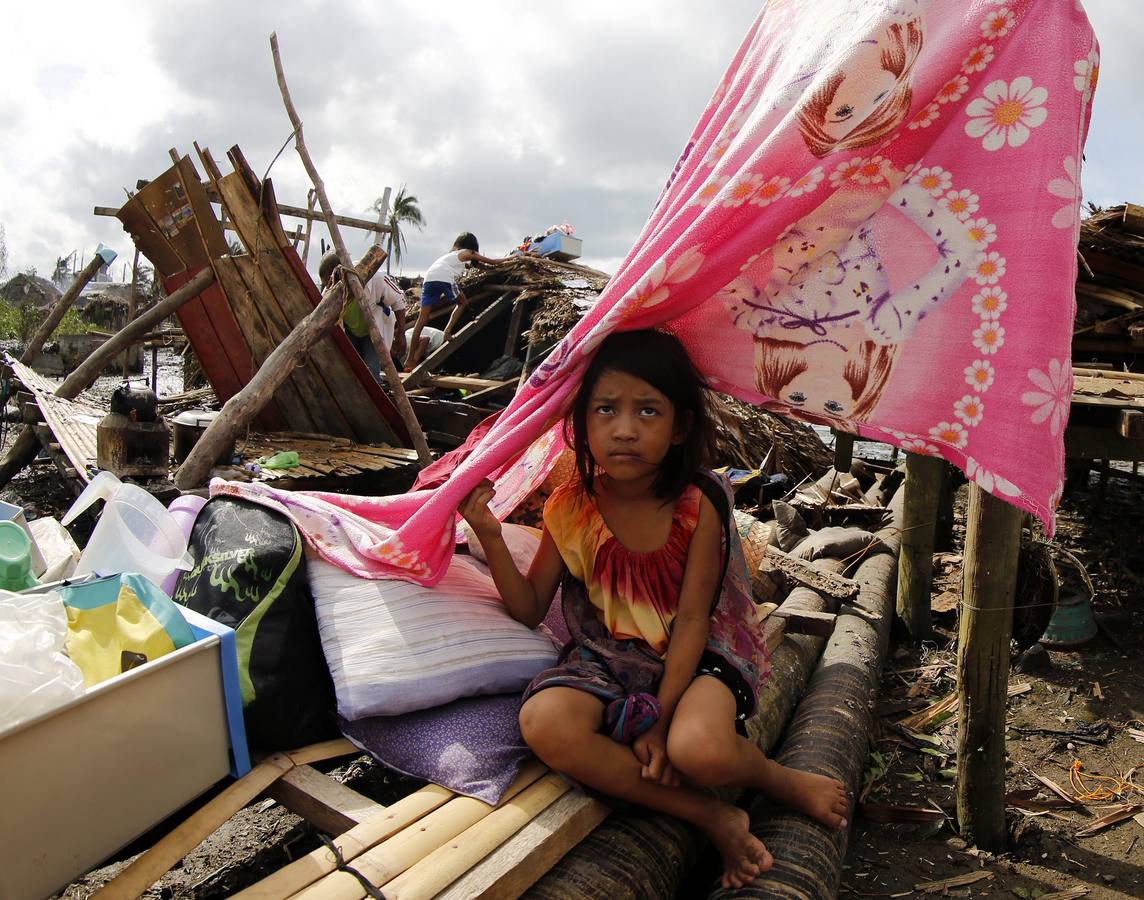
873, 225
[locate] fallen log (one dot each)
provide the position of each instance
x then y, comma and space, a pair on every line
240, 409
830, 733
829, 584
26, 445
60, 307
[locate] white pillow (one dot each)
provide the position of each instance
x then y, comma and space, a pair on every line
394, 646
522, 541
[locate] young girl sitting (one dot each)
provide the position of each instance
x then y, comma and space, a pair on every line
667, 652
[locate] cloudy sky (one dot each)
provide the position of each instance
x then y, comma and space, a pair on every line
502, 118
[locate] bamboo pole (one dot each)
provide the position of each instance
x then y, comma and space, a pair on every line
238, 411
357, 290
915, 563
311, 199
23, 450
61, 306
989, 581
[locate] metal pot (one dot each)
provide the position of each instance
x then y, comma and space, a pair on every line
186, 429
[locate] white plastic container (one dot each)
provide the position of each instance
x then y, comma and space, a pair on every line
135, 532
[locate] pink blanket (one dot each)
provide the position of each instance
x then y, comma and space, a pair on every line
873, 226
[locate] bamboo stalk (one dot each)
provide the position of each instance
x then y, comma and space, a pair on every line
989, 582
357, 291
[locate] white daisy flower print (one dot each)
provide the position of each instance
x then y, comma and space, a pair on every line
989, 268
741, 190
925, 116
962, 204
917, 445
807, 182
1053, 395
952, 433
969, 409
709, 191
846, 171
1006, 113
979, 57
1066, 189
989, 481
953, 90
770, 190
933, 179
981, 231
979, 375
998, 24
1086, 72
990, 302
989, 338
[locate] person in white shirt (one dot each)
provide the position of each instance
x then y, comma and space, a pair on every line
440, 288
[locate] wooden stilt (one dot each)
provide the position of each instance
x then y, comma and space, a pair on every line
843, 451
131, 309
989, 580
61, 306
915, 563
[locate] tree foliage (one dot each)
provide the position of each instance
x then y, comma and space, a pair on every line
404, 211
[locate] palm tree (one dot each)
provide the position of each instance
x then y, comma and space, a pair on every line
403, 211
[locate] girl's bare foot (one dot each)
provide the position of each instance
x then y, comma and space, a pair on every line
821, 798
744, 855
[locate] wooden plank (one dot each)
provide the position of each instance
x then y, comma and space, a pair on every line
320, 800
1134, 218
424, 369
826, 583
518, 863
465, 382
313, 413
805, 621
1101, 443
341, 390
290, 397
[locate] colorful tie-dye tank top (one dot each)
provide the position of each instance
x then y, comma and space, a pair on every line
637, 594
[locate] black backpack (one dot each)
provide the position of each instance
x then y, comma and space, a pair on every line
250, 574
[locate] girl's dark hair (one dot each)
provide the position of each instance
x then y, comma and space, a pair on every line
466, 240
661, 360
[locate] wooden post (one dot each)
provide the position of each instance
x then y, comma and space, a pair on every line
989, 581
61, 306
311, 199
131, 310
843, 451
23, 450
356, 286
915, 563
238, 411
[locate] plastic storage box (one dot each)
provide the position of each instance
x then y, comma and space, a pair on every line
84, 780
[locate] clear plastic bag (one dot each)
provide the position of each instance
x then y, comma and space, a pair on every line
36, 674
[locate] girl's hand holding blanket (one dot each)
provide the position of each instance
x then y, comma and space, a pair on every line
474, 509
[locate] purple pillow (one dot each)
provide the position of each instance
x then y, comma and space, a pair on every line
471, 746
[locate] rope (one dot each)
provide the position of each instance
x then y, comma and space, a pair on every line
343, 866
1095, 790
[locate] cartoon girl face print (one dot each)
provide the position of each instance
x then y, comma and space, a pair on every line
825, 314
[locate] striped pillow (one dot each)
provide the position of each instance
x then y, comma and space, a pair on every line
393, 646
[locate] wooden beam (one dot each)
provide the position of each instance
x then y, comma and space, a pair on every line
327, 804
297, 212
804, 621
989, 582
60, 307
1134, 218
828, 584
924, 475
465, 382
843, 451
425, 368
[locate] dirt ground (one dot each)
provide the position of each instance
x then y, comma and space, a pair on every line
1079, 708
